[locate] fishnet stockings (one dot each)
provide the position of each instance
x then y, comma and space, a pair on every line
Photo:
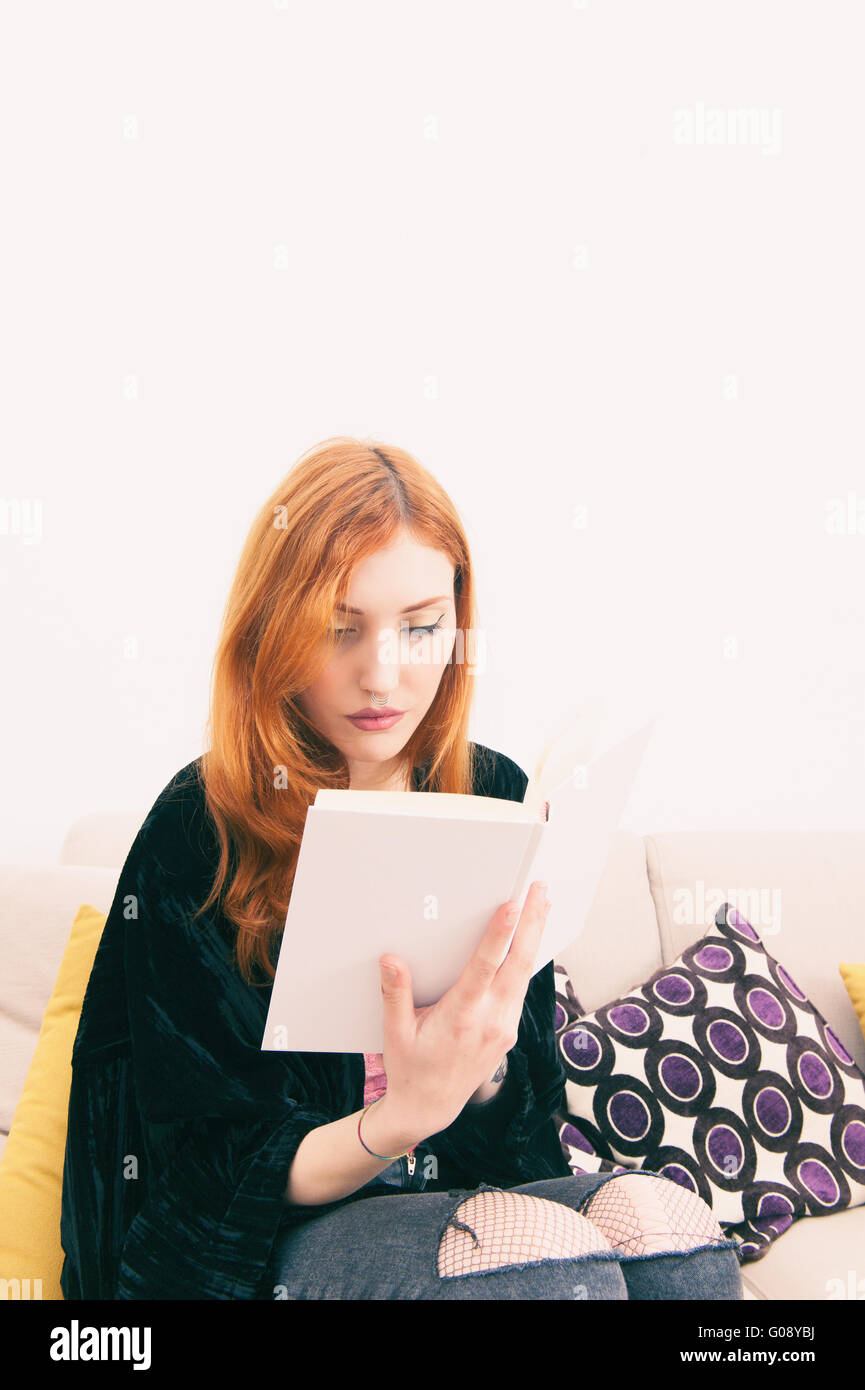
633, 1215
645, 1215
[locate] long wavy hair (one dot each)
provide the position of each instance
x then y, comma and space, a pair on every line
343, 500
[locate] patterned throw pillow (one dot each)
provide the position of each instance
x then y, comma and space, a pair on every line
719, 1073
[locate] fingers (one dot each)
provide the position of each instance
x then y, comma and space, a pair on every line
516, 970
493, 961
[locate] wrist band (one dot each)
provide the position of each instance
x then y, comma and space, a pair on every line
391, 1158
386, 1157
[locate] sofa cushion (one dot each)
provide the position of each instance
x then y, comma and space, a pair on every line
816, 1260
721, 1074
39, 906
31, 1169
853, 975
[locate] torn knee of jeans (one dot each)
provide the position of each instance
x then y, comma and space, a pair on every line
461, 1226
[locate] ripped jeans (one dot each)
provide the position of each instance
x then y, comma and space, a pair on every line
485, 1243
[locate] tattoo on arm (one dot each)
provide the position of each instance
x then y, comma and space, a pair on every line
500, 1072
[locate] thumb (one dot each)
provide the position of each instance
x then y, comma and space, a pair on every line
396, 990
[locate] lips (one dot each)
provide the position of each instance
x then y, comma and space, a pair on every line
372, 723
375, 712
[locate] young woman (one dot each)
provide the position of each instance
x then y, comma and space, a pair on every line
198, 1165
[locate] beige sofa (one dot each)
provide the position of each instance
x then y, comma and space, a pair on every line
658, 895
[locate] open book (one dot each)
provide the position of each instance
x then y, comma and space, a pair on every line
420, 875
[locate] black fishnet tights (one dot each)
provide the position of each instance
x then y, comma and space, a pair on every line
631, 1214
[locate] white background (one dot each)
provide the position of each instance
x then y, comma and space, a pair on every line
496, 235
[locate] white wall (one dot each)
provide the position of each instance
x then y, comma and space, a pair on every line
507, 238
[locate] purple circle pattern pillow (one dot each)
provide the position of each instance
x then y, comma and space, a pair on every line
720, 1074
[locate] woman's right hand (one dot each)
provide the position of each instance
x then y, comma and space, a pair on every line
437, 1056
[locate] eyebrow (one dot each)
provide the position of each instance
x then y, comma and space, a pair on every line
412, 608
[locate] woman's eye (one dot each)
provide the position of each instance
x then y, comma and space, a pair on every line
429, 628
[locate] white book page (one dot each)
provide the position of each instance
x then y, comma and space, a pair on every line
584, 816
574, 746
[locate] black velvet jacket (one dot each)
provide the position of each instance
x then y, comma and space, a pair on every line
181, 1131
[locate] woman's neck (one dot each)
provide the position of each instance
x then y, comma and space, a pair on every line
400, 782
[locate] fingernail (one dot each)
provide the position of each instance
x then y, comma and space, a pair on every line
541, 888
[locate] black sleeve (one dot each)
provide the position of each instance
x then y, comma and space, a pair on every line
181, 1130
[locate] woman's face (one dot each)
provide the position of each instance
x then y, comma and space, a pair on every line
399, 591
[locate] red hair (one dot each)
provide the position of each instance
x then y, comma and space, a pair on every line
342, 501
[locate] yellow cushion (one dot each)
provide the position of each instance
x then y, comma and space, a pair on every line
854, 982
31, 1169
